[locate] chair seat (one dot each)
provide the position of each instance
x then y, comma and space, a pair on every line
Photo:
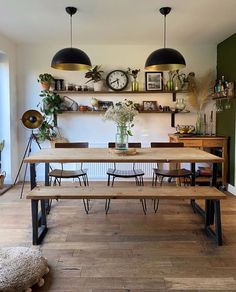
67, 173
125, 173
173, 173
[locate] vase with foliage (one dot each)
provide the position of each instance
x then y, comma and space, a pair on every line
122, 113
134, 74
46, 80
95, 75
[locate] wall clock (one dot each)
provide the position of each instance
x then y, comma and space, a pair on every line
117, 80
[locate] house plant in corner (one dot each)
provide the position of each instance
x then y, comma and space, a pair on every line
46, 80
122, 113
2, 173
95, 74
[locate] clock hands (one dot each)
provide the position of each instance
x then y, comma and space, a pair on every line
117, 80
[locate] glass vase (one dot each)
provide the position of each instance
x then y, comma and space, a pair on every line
180, 104
199, 124
121, 138
135, 85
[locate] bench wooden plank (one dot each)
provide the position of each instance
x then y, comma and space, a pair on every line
126, 192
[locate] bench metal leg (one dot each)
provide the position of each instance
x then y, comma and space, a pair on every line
217, 233
38, 230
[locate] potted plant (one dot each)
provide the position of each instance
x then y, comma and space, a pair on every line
134, 74
2, 173
46, 80
95, 74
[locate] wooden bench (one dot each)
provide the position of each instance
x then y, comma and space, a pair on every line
211, 195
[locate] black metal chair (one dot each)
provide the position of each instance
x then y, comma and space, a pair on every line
177, 173
59, 174
137, 174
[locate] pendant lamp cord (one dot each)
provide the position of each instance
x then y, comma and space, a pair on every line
164, 31
71, 31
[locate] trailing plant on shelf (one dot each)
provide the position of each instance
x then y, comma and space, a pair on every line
51, 102
49, 106
46, 80
47, 131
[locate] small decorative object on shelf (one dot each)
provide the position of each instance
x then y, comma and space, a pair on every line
180, 104
150, 106
46, 80
185, 129
59, 84
223, 89
122, 113
134, 74
154, 81
198, 127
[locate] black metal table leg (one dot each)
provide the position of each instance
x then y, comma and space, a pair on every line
193, 179
218, 229
38, 232
47, 183
33, 182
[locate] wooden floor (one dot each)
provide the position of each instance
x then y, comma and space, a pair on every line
126, 250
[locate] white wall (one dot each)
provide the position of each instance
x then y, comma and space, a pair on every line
35, 59
8, 120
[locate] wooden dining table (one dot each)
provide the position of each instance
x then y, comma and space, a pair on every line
105, 155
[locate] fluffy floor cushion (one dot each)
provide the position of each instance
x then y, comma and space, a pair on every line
21, 268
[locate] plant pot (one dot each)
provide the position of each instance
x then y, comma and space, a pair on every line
2, 177
98, 86
45, 85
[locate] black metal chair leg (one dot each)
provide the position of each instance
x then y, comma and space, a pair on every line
143, 205
155, 180
85, 206
113, 179
107, 205
161, 180
156, 205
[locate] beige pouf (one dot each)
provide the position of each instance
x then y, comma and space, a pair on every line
21, 268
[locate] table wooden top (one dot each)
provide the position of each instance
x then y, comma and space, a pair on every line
184, 154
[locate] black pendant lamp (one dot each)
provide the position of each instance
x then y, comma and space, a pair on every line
165, 59
71, 58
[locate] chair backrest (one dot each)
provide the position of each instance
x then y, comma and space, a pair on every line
131, 145
72, 145
166, 144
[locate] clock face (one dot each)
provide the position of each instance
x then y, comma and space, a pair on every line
117, 80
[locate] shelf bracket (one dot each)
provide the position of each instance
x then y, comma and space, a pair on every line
174, 96
172, 120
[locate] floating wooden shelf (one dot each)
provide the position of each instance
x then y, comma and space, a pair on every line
120, 92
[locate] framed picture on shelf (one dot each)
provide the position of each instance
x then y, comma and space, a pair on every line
153, 81
104, 105
150, 105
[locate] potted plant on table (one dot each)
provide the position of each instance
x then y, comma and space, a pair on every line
46, 80
122, 113
95, 74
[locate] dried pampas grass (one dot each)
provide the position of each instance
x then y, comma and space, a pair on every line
200, 90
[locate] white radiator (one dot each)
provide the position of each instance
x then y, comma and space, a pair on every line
97, 171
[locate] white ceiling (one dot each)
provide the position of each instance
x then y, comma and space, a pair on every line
118, 21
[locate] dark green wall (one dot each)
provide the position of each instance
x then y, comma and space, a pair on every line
225, 121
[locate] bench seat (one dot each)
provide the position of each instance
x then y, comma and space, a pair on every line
211, 195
